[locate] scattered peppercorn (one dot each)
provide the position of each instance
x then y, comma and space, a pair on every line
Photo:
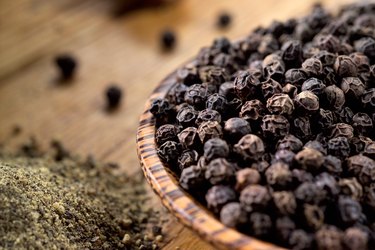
67, 65
224, 20
113, 94
168, 39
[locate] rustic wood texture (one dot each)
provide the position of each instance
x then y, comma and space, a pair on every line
123, 50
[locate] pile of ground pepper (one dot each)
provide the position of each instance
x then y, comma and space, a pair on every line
58, 201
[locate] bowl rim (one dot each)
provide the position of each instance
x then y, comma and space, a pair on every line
184, 207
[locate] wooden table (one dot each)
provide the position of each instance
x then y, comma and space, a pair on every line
121, 50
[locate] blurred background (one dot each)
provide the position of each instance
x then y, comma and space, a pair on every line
114, 42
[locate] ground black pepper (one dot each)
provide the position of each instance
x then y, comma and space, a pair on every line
279, 128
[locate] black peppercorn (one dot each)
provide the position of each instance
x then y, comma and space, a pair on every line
168, 39
196, 96
162, 110
254, 197
289, 142
189, 137
186, 116
220, 171
167, 132
313, 66
355, 238
192, 178
249, 147
252, 110
306, 102
224, 20
275, 126
344, 66
67, 65
245, 84
208, 115
285, 202
314, 85
219, 195
260, 224
215, 148
300, 239
352, 188
235, 128
328, 237
278, 175
270, 87
246, 177
339, 146
169, 151
208, 130
187, 159
113, 94
232, 215
349, 210
280, 104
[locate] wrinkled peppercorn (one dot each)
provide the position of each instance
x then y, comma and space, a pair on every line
350, 210
289, 142
187, 159
344, 66
219, 195
215, 148
351, 187
245, 84
189, 137
285, 202
309, 159
333, 98
254, 197
355, 238
280, 104
208, 115
275, 125
313, 66
235, 128
186, 116
314, 85
208, 130
339, 146
167, 132
220, 171
306, 102
249, 147
169, 151
299, 239
232, 215
328, 237
192, 178
278, 175
252, 110
260, 224
246, 177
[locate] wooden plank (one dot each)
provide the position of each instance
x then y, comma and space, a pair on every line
123, 50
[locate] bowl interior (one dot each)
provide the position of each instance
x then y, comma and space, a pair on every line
179, 202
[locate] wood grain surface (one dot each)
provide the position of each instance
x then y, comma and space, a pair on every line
123, 50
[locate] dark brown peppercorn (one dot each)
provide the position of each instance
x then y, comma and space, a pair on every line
187, 159
254, 197
188, 75
345, 115
292, 52
260, 224
168, 39
328, 183
215, 148
208, 130
289, 142
366, 45
191, 178
249, 147
275, 126
368, 99
309, 159
227, 89
295, 76
314, 216
67, 65
278, 175
113, 95
245, 85
186, 116
260, 166
270, 87
169, 151
329, 237
352, 188
309, 192
285, 156
232, 215
344, 66
252, 110
350, 210
216, 102
224, 20
284, 227
220, 171
235, 128
161, 109
189, 137
332, 165
302, 127
196, 96
353, 87
300, 240
339, 146
246, 177
341, 129
219, 195
280, 104
285, 202
313, 66
362, 122
314, 85
273, 67
301, 176
317, 145
306, 102
176, 94
167, 132
355, 238
208, 115
334, 97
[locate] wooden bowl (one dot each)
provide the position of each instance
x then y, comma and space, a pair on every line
178, 201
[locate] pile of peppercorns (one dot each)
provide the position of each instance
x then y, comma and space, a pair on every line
274, 133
